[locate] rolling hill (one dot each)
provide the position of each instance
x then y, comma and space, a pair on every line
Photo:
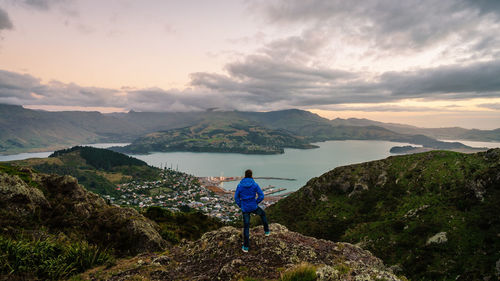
219, 135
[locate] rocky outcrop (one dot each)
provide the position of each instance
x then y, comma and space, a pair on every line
439, 238
218, 256
58, 204
18, 197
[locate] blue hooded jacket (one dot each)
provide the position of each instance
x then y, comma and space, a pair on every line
245, 195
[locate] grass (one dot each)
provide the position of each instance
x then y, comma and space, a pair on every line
303, 272
48, 258
25, 176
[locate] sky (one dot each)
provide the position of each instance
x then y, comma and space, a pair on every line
429, 63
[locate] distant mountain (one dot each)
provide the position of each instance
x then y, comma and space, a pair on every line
434, 215
30, 130
451, 133
23, 130
218, 135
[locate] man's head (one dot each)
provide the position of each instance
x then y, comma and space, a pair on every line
248, 173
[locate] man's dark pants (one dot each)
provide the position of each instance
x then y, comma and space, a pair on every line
246, 224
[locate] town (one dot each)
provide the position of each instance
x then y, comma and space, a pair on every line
178, 191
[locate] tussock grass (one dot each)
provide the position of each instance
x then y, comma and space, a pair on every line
48, 259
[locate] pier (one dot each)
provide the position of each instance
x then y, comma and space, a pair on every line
272, 190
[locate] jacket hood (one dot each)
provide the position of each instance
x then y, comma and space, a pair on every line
247, 182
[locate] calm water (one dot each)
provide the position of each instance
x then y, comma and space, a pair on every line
298, 164
22, 156
477, 143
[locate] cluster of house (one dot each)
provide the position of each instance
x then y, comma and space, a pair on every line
176, 190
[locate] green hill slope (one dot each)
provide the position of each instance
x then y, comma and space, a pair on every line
99, 170
434, 215
218, 135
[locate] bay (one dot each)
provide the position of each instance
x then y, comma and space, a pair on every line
298, 164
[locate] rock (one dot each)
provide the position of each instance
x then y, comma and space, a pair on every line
358, 188
18, 197
327, 273
497, 267
217, 255
414, 212
439, 238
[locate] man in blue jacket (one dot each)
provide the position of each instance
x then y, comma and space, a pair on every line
245, 198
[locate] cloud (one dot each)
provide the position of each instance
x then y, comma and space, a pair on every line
324, 58
301, 70
5, 22
494, 106
390, 24
43, 5
25, 89
268, 83
480, 79
485, 6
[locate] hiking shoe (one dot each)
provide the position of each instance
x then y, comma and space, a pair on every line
267, 233
244, 249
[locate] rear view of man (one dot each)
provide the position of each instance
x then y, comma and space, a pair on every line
245, 198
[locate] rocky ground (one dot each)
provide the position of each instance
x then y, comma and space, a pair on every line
218, 256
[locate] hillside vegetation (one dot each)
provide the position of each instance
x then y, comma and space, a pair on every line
99, 170
432, 215
53, 228
236, 136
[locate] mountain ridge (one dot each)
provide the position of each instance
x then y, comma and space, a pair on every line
35, 130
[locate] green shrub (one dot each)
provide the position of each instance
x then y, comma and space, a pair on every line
175, 226
48, 258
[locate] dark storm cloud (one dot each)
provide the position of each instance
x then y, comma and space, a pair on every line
5, 22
